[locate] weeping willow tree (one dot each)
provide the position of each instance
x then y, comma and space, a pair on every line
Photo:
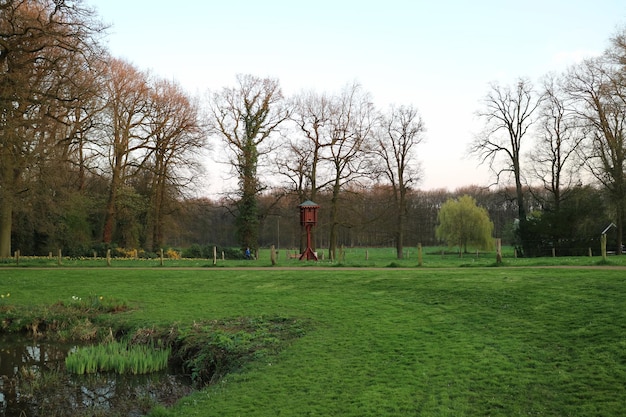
462, 223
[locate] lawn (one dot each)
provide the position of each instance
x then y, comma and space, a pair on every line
386, 342
432, 257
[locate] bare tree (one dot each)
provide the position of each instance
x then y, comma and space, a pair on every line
559, 138
303, 162
599, 88
125, 137
245, 117
350, 125
509, 112
175, 136
311, 112
401, 130
39, 41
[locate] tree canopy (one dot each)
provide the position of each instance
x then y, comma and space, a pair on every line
463, 223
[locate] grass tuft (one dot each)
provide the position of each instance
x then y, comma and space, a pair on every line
118, 357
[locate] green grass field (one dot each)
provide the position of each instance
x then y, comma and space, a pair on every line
389, 341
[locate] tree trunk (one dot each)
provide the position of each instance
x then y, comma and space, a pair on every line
154, 221
7, 195
334, 222
401, 220
521, 211
400, 236
6, 223
110, 219
620, 227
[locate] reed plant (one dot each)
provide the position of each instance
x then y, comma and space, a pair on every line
119, 357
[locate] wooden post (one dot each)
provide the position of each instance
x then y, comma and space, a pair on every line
94, 255
215, 255
17, 257
603, 246
59, 258
273, 255
108, 257
161, 256
590, 253
367, 255
419, 255
554, 252
498, 251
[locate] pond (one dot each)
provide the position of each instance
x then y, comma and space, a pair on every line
33, 382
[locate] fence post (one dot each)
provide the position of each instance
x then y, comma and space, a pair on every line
273, 255
419, 254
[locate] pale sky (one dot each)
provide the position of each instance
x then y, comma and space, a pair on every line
436, 55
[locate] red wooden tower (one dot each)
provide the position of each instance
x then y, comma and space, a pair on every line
308, 219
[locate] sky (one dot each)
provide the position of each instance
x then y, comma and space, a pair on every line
436, 55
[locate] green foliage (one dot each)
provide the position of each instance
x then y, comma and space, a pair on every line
196, 251
463, 223
570, 228
130, 206
210, 350
74, 318
247, 221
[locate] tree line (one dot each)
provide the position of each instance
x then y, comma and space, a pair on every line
98, 153
94, 150
367, 220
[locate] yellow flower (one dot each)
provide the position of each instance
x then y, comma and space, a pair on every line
101, 298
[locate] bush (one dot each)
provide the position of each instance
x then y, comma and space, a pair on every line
193, 251
206, 252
